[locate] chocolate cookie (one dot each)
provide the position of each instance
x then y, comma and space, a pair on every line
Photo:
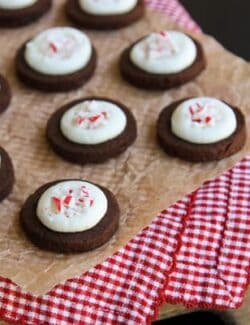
24, 16
6, 174
69, 242
195, 152
102, 22
57, 83
5, 94
90, 153
156, 81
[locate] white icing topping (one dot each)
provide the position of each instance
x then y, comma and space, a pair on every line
58, 51
203, 120
72, 206
16, 4
92, 122
107, 7
165, 52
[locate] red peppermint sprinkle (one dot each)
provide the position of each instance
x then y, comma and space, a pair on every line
105, 114
197, 120
84, 190
164, 34
191, 110
79, 120
208, 119
94, 118
67, 200
196, 109
200, 107
91, 202
57, 203
53, 47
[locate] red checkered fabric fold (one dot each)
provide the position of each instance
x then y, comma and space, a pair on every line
197, 252
213, 262
174, 10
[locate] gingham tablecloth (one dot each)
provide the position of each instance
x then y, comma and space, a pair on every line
197, 252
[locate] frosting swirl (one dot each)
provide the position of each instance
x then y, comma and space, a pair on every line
164, 53
203, 120
71, 206
92, 122
58, 51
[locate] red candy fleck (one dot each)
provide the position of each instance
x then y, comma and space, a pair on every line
53, 47
104, 114
94, 118
91, 202
85, 191
67, 200
197, 109
198, 120
200, 108
191, 110
79, 120
170, 43
57, 202
208, 119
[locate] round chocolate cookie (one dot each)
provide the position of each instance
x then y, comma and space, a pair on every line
201, 152
5, 94
57, 83
98, 151
103, 22
160, 81
24, 16
73, 241
39, 78
7, 177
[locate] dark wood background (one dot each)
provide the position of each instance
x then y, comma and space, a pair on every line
227, 20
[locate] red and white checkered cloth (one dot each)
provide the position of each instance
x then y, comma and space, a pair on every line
174, 10
196, 252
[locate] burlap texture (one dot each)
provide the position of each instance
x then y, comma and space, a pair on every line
144, 179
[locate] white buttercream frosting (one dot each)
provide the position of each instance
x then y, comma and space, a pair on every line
16, 4
72, 206
58, 51
107, 7
164, 53
93, 121
203, 120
